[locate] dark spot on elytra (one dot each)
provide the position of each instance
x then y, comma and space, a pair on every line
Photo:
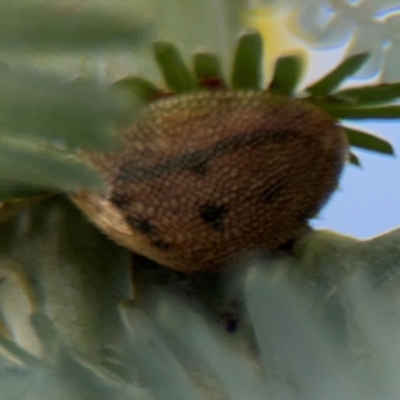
161, 244
141, 225
120, 200
213, 214
149, 230
272, 192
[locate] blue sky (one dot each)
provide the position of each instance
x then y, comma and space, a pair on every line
367, 203
368, 200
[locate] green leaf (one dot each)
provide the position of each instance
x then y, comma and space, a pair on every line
71, 266
192, 24
48, 335
19, 353
367, 141
176, 74
82, 113
188, 332
207, 67
39, 164
382, 93
247, 65
11, 190
158, 365
138, 87
354, 160
52, 26
388, 112
287, 74
333, 79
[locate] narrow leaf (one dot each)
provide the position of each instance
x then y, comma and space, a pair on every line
52, 26
138, 87
11, 190
247, 65
333, 79
207, 68
388, 112
48, 335
287, 74
382, 93
73, 114
158, 365
354, 160
20, 354
176, 74
39, 164
367, 141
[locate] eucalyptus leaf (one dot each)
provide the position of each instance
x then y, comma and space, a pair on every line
176, 74
332, 80
207, 68
57, 27
39, 164
367, 141
247, 64
82, 113
374, 94
287, 74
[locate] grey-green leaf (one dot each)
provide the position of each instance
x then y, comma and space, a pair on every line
247, 64
367, 141
39, 164
333, 79
175, 72
56, 27
207, 68
288, 71
82, 113
375, 94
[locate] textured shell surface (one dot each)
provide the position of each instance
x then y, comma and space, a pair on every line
203, 177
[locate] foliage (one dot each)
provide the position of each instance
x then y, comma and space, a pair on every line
65, 332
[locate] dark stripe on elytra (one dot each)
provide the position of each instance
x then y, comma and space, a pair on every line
197, 160
213, 214
272, 192
148, 229
199, 169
